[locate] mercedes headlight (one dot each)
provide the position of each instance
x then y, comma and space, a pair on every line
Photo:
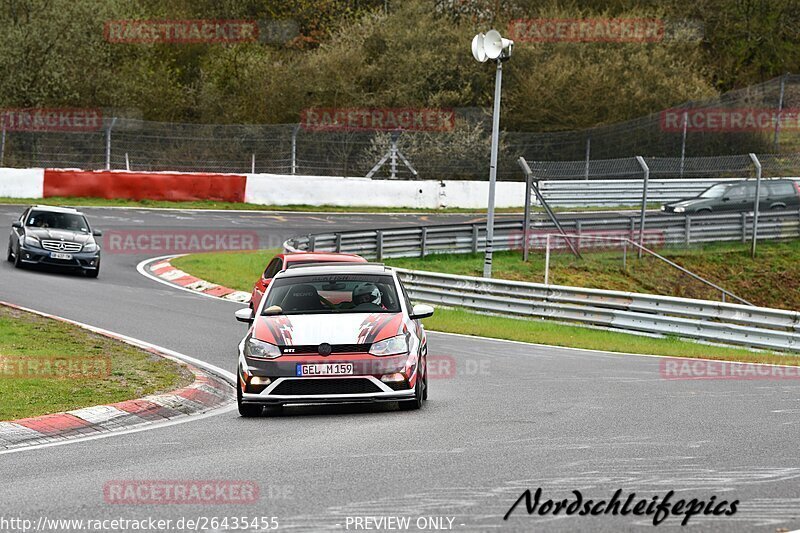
680, 209
391, 346
260, 350
90, 247
32, 241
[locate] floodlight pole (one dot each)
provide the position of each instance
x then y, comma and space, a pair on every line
487, 259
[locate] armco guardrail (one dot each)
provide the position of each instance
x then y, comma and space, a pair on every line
571, 193
735, 324
699, 319
661, 229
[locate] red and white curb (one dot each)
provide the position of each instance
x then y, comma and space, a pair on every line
212, 389
160, 269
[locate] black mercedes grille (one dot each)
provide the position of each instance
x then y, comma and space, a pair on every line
302, 387
305, 349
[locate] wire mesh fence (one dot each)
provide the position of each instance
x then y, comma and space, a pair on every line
675, 144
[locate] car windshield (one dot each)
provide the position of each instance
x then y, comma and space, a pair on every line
333, 294
715, 191
65, 221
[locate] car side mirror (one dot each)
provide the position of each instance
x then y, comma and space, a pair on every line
244, 315
726, 199
421, 311
97, 233
16, 224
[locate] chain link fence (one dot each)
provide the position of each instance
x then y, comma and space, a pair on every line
675, 150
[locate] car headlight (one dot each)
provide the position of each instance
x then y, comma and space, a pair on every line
32, 241
663, 208
680, 209
391, 346
90, 247
260, 350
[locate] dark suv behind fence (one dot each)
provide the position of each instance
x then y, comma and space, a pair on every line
740, 196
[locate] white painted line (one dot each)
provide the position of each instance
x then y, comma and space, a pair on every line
141, 268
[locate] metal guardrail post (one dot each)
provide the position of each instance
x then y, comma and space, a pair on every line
625, 256
379, 245
646, 171
588, 153
688, 229
475, 230
578, 231
683, 140
780, 108
252, 163
338, 242
744, 228
526, 223
756, 202
547, 260
423, 242
108, 143
295, 130
312, 242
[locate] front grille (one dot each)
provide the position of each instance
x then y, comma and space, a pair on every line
303, 387
62, 246
305, 349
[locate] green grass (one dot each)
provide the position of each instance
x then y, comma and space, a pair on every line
208, 204
769, 280
240, 270
237, 270
133, 372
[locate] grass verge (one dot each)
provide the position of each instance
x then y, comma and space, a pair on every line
31, 345
240, 270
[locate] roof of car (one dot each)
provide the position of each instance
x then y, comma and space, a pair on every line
339, 268
323, 257
56, 209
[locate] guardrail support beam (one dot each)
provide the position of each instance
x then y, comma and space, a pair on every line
379, 245
756, 202
646, 171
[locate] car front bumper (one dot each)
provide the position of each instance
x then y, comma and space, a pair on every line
80, 260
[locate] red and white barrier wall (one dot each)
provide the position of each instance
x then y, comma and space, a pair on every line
265, 189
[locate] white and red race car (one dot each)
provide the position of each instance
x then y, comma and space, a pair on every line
339, 333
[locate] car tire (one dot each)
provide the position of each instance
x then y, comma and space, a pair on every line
703, 212
10, 256
17, 260
247, 410
416, 403
425, 382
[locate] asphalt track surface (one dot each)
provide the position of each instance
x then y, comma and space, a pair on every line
510, 417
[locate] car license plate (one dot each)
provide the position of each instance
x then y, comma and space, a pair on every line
325, 369
59, 255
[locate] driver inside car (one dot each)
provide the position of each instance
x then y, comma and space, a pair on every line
365, 294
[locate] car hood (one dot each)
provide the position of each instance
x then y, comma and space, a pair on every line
689, 202
345, 328
58, 235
